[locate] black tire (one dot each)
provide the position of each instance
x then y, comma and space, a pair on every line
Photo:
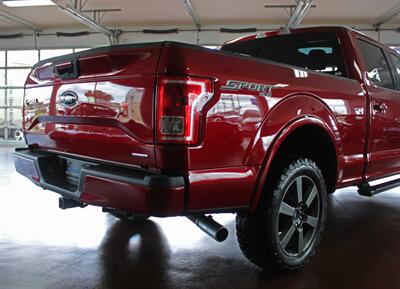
262, 235
126, 216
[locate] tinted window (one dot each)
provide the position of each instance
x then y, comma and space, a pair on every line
315, 51
396, 62
376, 64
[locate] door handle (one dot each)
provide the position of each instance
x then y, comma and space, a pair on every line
380, 107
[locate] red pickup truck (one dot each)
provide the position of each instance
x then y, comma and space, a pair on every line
266, 127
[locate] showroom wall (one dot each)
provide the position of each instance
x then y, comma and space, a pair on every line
208, 36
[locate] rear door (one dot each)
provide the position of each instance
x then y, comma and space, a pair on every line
382, 87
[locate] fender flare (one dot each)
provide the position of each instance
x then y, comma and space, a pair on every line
293, 122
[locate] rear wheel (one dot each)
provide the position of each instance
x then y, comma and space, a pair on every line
284, 232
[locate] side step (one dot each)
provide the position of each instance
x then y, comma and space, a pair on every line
365, 189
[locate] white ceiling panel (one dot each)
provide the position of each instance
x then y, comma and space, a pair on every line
147, 13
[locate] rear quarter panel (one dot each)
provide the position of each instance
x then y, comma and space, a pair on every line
242, 126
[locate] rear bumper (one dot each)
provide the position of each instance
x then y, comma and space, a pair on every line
104, 185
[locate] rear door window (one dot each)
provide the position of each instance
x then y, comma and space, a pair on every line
396, 63
376, 64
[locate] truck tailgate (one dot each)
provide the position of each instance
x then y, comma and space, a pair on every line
97, 104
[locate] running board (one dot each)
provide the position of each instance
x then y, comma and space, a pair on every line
365, 189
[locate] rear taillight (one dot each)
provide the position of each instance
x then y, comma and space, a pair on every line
180, 107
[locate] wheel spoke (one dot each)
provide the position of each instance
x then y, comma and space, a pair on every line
288, 236
301, 244
312, 221
299, 187
286, 209
312, 195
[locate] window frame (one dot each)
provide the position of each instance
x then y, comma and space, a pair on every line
395, 74
383, 49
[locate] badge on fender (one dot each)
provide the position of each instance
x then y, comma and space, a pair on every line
263, 89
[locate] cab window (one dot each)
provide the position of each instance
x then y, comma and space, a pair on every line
378, 69
396, 63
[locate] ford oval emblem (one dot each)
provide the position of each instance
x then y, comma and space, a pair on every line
68, 98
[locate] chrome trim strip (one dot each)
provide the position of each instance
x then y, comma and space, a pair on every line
96, 159
384, 180
140, 155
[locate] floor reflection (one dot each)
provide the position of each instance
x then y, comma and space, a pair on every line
42, 247
134, 254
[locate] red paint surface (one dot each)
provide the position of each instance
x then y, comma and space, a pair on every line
241, 131
221, 188
133, 198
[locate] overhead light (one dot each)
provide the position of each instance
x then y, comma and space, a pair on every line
298, 14
83, 18
192, 13
387, 16
27, 3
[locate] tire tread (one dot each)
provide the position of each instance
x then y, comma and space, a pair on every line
257, 245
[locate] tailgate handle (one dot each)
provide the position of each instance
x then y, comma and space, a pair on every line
70, 70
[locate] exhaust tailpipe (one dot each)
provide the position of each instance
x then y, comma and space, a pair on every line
210, 227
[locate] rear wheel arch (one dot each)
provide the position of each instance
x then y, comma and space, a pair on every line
306, 136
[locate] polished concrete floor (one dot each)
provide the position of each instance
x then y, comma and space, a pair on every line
44, 247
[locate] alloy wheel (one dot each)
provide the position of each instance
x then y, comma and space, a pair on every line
298, 216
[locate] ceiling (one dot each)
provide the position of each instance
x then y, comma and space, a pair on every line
148, 13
